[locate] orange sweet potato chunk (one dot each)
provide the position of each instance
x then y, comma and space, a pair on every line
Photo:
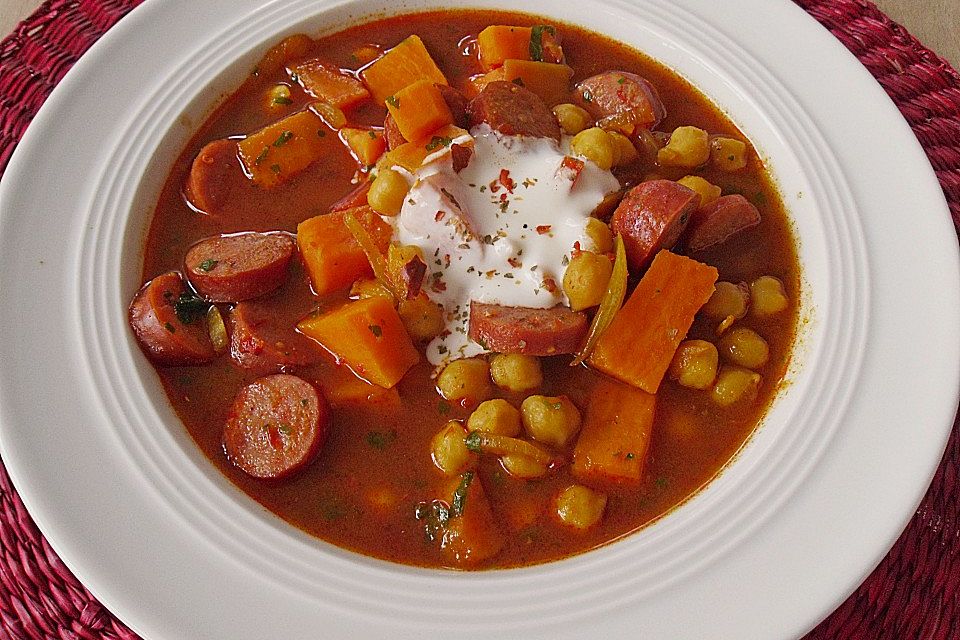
613, 442
367, 145
283, 149
368, 336
549, 81
497, 43
329, 84
333, 258
419, 109
639, 344
404, 64
471, 534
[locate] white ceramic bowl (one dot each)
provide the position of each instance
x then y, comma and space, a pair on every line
766, 550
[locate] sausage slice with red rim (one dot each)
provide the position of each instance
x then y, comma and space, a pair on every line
263, 342
717, 221
618, 93
513, 110
276, 426
237, 267
165, 336
206, 188
651, 216
534, 332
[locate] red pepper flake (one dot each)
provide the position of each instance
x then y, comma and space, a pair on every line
438, 285
550, 285
515, 262
439, 216
544, 228
576, 250
507, 181
494, 187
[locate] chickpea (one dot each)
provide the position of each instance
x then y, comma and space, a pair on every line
728, 299
600, 235
572, 119
387, 192
369, 288
595, 145
551, 420
586, 279
516, 372
278, 97
728, 154
708, 192
467, 379
449, 452
768, 296
522, 466
688, 147
734, 385
627, 152
495, 416
580, 507
745, 347
694, 364
422, 317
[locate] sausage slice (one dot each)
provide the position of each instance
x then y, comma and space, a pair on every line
534, 332
354, 199
206, 189
231, 268
621, 94
276, 426
651, 216
513, 110
717, 221
263, 342
164, 337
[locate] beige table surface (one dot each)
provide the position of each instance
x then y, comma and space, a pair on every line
936, 23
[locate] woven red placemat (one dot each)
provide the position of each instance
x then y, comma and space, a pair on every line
913, 594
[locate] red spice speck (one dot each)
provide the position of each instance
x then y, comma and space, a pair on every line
439, 216
507, 181
550, 285
544, 228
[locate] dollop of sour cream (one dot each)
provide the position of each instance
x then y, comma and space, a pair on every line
500, 231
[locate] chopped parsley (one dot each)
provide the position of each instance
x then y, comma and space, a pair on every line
208, 265
283, 138
536, 40
437, 142
376, 330
443, 407
393, 102
459, 502
189, 307
282, 100
381, 440
275, 168
263, 154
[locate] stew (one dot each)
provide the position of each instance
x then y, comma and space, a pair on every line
487, 295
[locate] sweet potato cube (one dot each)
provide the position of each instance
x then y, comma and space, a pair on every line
471, 534
343, 389
333, 258
549, 81
639, 344
497, 43
327, 83
404, 64
419, 109
368, 336
615, 436
410, 155
283, 149
478, 82
367, 145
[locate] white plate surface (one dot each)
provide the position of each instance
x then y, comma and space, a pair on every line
772, 546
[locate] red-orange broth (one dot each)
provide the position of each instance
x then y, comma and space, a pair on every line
362, 491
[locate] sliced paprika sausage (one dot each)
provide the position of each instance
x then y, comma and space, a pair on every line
264, 342
354, 199
276, 426
620, 94
534, 332
241, 266
651, 216
166, 337
206, 188
717, 221
513, 110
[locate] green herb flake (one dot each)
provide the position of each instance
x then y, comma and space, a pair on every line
375, 329
304, 402
518, 81
380, 440
393, 102
169, 327
459, 502
189, 307
621, 80
275, 168
630, 456
283, 138
436, 142
282, 100
661, 483
208, 265
556, 406
332, 509
474, 441
321, 133
372, 134
434, 515
263, 155
285, 429
443, 407
536, 40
